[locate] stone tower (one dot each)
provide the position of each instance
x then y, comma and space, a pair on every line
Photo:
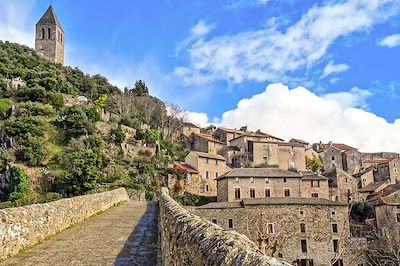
49, 41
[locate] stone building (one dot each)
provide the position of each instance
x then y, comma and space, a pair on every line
301, 231
338, 155
388, 170
266, 151
50, 37
309, 151
226, 134
242, 183
209, 167
342, 186
379, 155
372, 189
189, 128
205, 143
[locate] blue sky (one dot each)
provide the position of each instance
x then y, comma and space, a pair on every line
214, 58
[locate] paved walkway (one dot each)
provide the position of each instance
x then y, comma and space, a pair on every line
124, 235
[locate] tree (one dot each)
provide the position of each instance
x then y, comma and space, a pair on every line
101, 101
5, 108
75, 122
117, 135
19, 184
140, 89
314, 164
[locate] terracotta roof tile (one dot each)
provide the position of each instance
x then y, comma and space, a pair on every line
207, 137
185, 168
209, 155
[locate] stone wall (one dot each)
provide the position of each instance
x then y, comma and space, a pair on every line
187, 239
25, 226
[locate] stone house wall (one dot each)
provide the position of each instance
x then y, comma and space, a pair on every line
331, 157
388, 171
276, 185
52, 49
352, 161
25, 226
291, 157
307, 190
187, 239
264, 153
253, 221
347, 188
367, 178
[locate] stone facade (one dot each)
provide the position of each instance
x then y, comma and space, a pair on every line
389, 170
209, 166
25, 226
187, 239
189, 128
205, 143
342, 186
293, 229
50, 37
244, 183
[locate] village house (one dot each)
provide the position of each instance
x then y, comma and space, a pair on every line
308, 150
205, 143
388, 170
189, 128
266, 151
242, 183
301, 231
191, 182
387, 215
209, 167
226, 134
342, 186
338, 155
372, 189
379, 155
15, 83
365, 177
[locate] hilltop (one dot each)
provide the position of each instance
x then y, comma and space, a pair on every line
65, 133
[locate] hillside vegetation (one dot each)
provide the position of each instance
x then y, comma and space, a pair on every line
52, 148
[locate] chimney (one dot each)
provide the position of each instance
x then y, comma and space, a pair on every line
243, 128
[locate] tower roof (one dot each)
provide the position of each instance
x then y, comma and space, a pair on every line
50, 17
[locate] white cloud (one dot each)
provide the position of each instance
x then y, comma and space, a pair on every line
331, 68
16, 24
197, 33
390, 41
270, 53
200, 119
299, 113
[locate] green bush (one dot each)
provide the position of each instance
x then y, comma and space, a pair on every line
117, 135
51, 196
33, 149
35, 109
23, 125
93, 115
130, 122
75, 122
5, 108
19, 184
56, 99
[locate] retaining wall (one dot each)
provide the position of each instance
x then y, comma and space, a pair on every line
187, 239
25, 226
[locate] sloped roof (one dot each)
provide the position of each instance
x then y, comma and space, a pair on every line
50, 17
371, 187
257, 134
207, 137
393, 199
222, 205
313, 177
340, 146
384, 192
299, 141
258, 172
185, 168
378, 161
190, 124
231, 130
209, 155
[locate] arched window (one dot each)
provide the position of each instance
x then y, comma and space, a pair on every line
49, 32
42, 33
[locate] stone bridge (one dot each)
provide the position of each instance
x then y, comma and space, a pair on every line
108, 229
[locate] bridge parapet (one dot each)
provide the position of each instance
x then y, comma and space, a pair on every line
187, 239
25, 226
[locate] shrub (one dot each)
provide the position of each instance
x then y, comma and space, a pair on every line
51, 196
21, 126
56, 99
19, 184
5, 108
130, 122
35, 109
75, 122
117, 135
33, 149
93, 115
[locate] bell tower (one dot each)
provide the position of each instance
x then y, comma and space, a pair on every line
49, 41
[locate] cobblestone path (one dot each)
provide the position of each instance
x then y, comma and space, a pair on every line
123, 235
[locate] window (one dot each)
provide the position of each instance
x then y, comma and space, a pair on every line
264, 159
267, 180
304, 262
315, 183
280, 255
43, 33
314, 195
398, 217
302, 227
49, 33
207, 161
206, 175
237, 193
335, 245
252, 192
304, 246
271, 229
333, 213
333, 158
284, 180
216, 174
190, 174
230, 223
216, 162
287, 192
206, 188
61, 37
251, 179
214, 221
237, 179
301, 212
334, 228
267, 193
